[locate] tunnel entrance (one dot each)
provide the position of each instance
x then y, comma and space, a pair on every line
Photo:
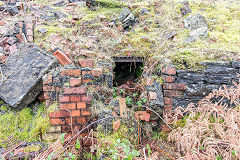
127, 69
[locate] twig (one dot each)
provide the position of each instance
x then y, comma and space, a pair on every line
20, 145
162, 152
138, 135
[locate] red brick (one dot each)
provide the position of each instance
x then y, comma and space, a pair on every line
75, 90
97, 72
86, 80
86, 72
3, 58
168, 79
75, 113
75, 82
68, 106
75, 98
78, 120
46, 95
81, 105
30, 38
174, 86
152, 96
173, 93
168, 100
85, 113
63, 98
149, 81
47, 79
13, 48
57, 121
19, 37
168, 107
62, 57
169, 70
70, 72
29, 32
2, 23
165, 128
167, 110
86, 98
48, 88
86, 63
59, 114
66, 129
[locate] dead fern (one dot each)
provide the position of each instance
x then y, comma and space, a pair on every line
211, 130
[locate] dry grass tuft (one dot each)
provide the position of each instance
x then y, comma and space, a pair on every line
212, 128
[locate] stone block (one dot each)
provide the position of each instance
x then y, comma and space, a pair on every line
23, 72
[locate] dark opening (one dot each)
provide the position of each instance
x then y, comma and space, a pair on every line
127, 69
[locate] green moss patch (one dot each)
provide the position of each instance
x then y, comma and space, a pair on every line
21, 125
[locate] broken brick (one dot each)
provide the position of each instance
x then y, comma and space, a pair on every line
86, 63
152, 96
97, 72
62, 58
75, 82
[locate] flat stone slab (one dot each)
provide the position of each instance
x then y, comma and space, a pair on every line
22, 75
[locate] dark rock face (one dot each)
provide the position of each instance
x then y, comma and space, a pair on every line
202, 82
22, 75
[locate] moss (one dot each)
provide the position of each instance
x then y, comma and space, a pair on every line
23, 124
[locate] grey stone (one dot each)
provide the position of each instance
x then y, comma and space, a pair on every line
127, 18
185, 9
106, 125
190, 77
184, 102
189, 39
235, 64
42, 31
222, 79
216, 63
59, 3
109, 79
171, 35
199, 90
221, 70
13, 10
144, 11
23, 73
197, 25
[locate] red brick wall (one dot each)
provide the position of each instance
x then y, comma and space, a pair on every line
171, 89
69, 88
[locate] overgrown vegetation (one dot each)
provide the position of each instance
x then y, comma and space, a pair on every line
211, 129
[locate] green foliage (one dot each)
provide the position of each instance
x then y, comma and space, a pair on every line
22, 124
160, 135
122, 142
149, 150
125, 148
62, 137
77, 144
